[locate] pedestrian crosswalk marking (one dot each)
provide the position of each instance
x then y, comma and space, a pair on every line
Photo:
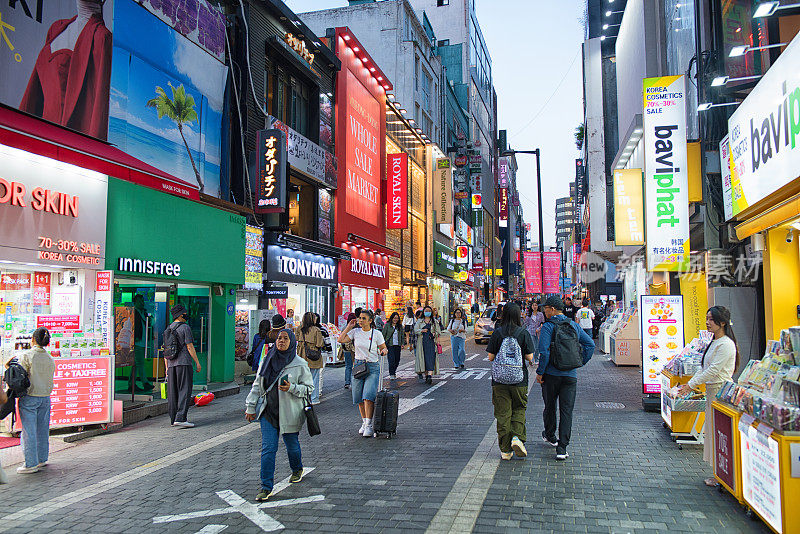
477, 374
237, 504
212, 529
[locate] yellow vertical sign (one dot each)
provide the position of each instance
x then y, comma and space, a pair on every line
628, 207
695, 303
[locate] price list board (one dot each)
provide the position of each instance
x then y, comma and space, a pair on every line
81, 392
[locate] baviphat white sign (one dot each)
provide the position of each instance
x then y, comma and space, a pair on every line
764, 135
665, 174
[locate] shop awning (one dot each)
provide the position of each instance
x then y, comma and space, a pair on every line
370, 244
25, 132
780, 214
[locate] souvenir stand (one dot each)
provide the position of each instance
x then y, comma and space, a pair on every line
684, 415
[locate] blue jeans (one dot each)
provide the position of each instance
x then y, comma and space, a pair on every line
367, 388
315, 374
269, 446
348, 367
34, 414
457, 346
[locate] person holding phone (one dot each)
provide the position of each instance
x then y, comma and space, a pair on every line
369, 346
277, 399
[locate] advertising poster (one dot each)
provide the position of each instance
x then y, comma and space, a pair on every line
362, 162
662, 336
397, 191
103, 302
533, 272
628, 207
764, 159
325, 216
724, 462
695, 303
761, 475
253, 257
29, 33
666, 177
123, 335
41, 288
731, 193
167, 93
443, 191
552, 272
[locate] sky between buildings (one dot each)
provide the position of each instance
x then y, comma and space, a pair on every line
535, 47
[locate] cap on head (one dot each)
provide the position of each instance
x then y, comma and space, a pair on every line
178, 310
555, 301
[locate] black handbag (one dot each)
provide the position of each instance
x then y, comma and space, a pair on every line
312, 354
361, 370
312, 423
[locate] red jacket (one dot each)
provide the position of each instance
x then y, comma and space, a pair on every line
83, 104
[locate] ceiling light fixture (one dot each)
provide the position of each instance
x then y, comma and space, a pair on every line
708, 105
721, 81
767, 9
738, 51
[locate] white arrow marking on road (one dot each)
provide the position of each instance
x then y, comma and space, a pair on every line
476, 373
406, 405
212, 529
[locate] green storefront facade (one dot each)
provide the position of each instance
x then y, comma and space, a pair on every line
164, 250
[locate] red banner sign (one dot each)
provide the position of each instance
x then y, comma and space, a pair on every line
59, 323
397, 191
533, 272
552, 271
103, 280
41, 289
362, 162
15, 282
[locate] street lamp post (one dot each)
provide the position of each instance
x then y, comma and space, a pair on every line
539, 199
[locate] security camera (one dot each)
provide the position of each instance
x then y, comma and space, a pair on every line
789, 236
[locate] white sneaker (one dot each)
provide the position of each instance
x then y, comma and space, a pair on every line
519, 447
27, 470
363, 427
392, 377
41, 465
562, 457
184, 424
506, 455
369, 431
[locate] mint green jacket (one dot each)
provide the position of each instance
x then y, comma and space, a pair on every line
291, 404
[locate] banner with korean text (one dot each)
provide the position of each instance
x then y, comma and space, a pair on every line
666, 174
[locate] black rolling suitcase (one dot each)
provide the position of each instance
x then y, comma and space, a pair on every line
387, 405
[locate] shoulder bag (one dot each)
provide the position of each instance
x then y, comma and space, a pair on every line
361, 370
312, 354
312, 423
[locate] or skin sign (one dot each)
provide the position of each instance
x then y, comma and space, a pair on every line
666, 173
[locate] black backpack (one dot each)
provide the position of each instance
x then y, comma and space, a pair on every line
565, 351
16, 378
172, 345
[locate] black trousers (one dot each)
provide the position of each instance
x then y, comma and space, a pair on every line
179, 392
394, 358
561, 390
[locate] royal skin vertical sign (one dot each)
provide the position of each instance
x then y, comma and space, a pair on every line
397, 191
666, 182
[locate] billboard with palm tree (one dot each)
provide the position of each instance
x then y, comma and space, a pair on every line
167, 96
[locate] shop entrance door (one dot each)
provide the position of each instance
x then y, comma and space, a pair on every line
197, 300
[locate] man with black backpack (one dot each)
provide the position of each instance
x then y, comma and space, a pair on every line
563, 348
179, 352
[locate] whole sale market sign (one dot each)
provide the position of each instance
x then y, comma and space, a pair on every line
764, 135
666, 173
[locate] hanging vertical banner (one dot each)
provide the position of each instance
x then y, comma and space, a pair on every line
628, 207
397, 191
444, 191
695, 303
666, 174
502, 202
533, 272
552, 271
271, 153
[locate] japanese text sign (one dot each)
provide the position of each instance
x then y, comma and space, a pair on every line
271, 151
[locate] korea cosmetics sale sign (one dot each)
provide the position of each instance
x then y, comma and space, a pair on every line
666, 174
661, 324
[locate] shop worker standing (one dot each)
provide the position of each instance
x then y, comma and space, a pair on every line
559, 346
179, 369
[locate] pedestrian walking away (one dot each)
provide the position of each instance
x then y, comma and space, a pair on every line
563, 348
369, 346
34, 405
309, 348
179, 354
457, 327
509, 348
277, 400
717, 367
427, 333
394, 336
585, 318
327, 354
347, 352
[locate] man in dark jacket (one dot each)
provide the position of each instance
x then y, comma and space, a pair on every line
558, 386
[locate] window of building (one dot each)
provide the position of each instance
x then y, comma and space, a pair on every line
427, 83
288, 99
416, 73
302, 208
440, 3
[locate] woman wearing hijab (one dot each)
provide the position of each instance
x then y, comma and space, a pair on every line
276, 399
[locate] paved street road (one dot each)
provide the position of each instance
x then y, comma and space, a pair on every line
442, 472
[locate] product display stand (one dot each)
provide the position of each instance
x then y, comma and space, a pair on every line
685, 421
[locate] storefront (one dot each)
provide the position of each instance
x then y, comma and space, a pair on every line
166, 250
442, 284
52, 252
364, 280
300, 276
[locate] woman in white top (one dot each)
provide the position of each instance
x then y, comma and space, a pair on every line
408, 325
718, 365
369, 345
458, 336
